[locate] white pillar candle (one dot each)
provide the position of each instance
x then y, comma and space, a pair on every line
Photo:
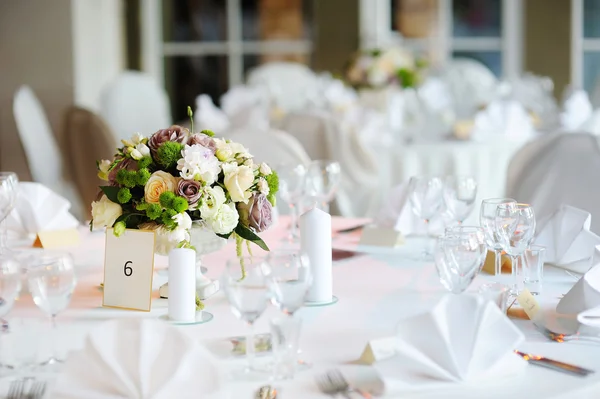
182, 284
315, 242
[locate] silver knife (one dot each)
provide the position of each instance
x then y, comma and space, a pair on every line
554, 364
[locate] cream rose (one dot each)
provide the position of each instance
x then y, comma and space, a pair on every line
157, 184
105, 212
238, 179
224, 220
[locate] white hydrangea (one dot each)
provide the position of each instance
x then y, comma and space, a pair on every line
224, 220
198, 163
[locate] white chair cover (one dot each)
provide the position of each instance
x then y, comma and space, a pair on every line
135, 102
555, 170
291, 86
41, 149
324, 138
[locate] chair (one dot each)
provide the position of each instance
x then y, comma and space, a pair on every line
41, 149
135, 102
558, 169
89, 139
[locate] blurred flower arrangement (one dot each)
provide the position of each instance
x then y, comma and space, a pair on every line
377, 69
174, 177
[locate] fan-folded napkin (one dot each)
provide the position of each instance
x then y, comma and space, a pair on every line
503, 119
567, 237
38, 208
140, 359
577, 110
584, 295
462, 339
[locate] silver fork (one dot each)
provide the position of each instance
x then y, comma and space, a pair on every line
559, 337
333, 382
325, 385
37, 390
16, 390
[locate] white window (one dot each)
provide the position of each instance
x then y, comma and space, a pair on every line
207, 46
585, 46
487, 30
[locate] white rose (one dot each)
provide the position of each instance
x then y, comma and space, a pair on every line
265, 169
237, 182
212, 200
225, 219
137, 138
105, 212
183, 220
135, 154
143, 149
263, 186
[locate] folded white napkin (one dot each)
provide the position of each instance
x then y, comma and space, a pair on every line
567, 237
577, 109
592, 124
503, 119
590, 317
209, 116
462, 339
338, 96
241, 97
584, 295
140, 359
39, 209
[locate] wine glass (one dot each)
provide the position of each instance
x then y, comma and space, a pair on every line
246, 289
9, 183
487, 220
291, 191
459, 196
52, 280
426, 199
322, 182
459, 257
515, 227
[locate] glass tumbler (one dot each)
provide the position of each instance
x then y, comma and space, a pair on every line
497, 293
533, 268
285, 339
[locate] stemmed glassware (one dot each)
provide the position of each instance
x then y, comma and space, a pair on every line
487, 220
515, 227
292, 185
52, 280
246, 289
9, 184
459, 256
322, 181
426, 199
459, 196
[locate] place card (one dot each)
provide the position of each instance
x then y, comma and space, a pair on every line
57, 239
377, 350
128, 270
528, 303
381, 237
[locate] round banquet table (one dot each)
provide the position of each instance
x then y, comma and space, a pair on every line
377, 288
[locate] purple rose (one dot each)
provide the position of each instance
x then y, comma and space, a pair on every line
203, 140
190, 190
126, 163
257, 213
174, 133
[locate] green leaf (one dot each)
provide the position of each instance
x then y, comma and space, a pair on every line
249, 235
111, 193
225, 236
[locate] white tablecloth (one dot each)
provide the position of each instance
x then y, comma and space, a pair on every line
376, 291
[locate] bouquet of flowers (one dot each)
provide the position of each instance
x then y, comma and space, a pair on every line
174, 177
376, 69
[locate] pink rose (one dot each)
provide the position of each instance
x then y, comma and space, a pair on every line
190, 190
174, 133
203, 140
127, 164
257, 213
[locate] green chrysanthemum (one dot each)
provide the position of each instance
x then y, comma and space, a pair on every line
124, 195
273, 182
166, 199
144, 162
142, 176
126, 178
168, 154
153, 211
179, 204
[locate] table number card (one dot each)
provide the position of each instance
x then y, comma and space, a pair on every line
128, 269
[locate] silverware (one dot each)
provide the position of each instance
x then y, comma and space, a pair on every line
333, 383
560, 337
555, 364
16, 390
39, 388
266, 392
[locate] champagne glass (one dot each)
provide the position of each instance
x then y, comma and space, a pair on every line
322, 182
459, 257
515, 227
459, 196
51, 279
246, 289
487, 220
9, 183
291, 191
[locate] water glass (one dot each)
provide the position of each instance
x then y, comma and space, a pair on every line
292, 190
533, 268
51, 279
246, 289
285, 339
322, 181
289, 278
497, 293
459, 196
515, 226
487, 220
10, 283
9, 186
426, 196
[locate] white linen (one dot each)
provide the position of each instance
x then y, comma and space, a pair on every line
315, 242
590, 317
140, 359
584, 295
468, 339
503, 120
38, 208
577, 109
568, 240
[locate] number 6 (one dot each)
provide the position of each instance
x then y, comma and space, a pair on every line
128, 270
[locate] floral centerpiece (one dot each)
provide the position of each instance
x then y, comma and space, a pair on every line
174, 177
378, 69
